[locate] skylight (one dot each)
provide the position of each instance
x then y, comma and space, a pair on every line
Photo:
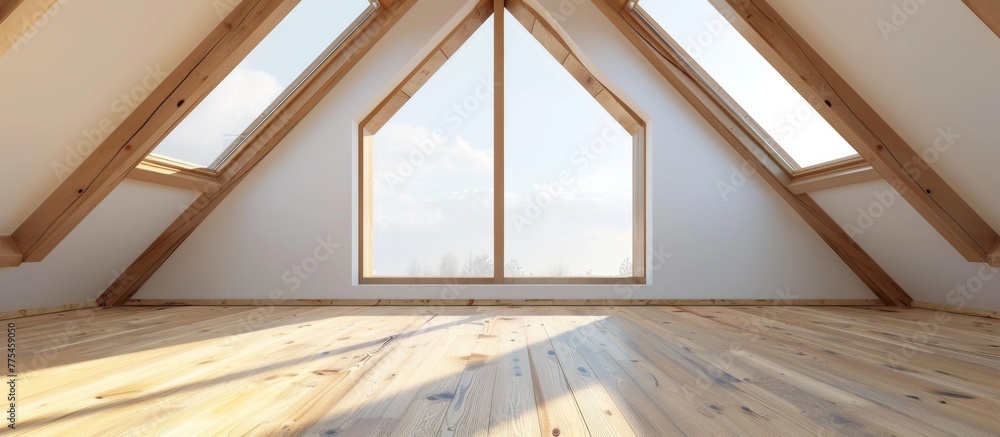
804, 136
243, 98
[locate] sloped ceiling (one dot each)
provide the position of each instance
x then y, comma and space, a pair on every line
928, 68
74, 74
926, 72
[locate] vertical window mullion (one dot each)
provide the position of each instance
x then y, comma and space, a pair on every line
498, 142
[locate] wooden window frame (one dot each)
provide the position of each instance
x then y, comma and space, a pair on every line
828, 171
225, 160
542, 26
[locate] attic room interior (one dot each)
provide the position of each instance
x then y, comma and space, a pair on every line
500, 217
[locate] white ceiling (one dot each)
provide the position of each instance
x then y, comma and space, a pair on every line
909, 249
65, 82
938, 70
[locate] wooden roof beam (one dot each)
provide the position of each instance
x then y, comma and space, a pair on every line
741, 137
988, 11
125, 148
17, 17
886, 151
328, 73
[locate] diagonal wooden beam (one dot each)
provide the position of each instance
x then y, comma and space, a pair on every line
10, 256
742, 138
125, 148
17, 17
898, 162
988, 11
329, 72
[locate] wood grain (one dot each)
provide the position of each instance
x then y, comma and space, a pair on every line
561, 371
328, 73
663, 53
988, 11
897, 161
10, 255
497, 302
17, 17
138, 134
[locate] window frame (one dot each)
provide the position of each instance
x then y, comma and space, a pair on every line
225, 160
771, 146
541, 25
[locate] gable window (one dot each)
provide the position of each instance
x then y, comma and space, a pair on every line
278, 65
502, 159
797, 136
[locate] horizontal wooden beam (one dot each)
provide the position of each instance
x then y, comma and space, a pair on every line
505, 302
525, 280
899, 163
17, 17
957, 310
162, 170
17, 314
327, 74
663, 53
837, 178
994, 257
10, 255
141, 131
988, 11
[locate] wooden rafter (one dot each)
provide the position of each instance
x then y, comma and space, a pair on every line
988, 11
897, 161
126, 147
17, 18
742, 138
327, 74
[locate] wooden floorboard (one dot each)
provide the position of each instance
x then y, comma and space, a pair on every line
507, 371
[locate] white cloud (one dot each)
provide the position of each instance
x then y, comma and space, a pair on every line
225, 113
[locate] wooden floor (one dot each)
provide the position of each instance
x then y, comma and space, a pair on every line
465, 371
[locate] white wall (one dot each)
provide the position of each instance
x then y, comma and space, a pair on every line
934, 69
64, 82
747, 246
98, 250
909, 249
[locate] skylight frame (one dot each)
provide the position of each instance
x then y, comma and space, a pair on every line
225, 159
770, 145
544, 29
